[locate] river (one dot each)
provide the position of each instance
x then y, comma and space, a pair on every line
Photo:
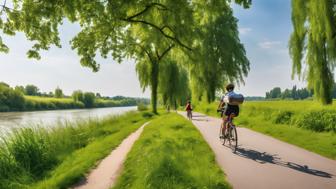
11, 120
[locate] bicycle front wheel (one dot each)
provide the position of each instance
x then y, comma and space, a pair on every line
233, 138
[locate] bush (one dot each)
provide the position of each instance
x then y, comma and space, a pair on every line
283, 117
322, 120
10, 99
142, 107
147, 114
89, 99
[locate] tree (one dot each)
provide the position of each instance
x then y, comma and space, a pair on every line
116, 28
274, 93
31, 90
286, 94
88, 99
173, 83
58, 93
10, 99
222, 57
294, 93
4, 84
314, 38
98, 95
78, 96
21, 89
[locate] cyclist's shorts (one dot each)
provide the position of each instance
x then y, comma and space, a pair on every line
229, 109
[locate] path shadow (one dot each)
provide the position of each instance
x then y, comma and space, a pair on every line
264, 157
199, 119
199, 116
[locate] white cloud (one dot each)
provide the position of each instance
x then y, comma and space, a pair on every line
269, 44
244, 31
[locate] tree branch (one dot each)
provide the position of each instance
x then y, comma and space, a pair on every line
165, 52
147, 8
160, 29
147, 52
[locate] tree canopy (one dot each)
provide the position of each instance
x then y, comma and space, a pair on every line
221, 56
205, 33
314, 39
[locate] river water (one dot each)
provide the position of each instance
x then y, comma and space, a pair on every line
12, 120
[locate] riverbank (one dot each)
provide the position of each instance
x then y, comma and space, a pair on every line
60, 156
37, 103
306, 124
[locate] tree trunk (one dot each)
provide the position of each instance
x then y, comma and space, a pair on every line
327, 80
154, 84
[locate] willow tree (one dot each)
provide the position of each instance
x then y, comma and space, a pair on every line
314, 39
173, 83
113, 28
222, 56
103, 24
148, 70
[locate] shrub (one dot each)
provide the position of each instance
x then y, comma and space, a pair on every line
89, 99
321, 120
147, 114
283, 117
142, 107
10, 99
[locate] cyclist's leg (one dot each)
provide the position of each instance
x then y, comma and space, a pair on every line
224, 124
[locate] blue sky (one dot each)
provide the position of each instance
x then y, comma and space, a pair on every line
264, 30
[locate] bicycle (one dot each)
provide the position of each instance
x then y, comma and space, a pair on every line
189, 114
230, 133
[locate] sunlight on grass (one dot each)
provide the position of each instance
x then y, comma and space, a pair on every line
171, 153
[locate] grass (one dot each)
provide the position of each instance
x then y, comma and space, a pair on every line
57, 158
306, 124
171, 153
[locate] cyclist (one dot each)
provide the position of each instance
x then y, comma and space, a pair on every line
226, 108
189, 109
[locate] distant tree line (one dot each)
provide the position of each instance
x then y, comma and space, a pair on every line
29, 98
254, 98
294, 93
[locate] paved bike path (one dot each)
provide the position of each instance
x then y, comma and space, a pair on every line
263, 162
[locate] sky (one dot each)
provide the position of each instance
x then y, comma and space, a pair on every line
264, 30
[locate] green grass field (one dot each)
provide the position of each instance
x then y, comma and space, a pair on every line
58, 158
171, 153
303, 123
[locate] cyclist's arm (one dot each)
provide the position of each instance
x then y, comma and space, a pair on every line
220, 105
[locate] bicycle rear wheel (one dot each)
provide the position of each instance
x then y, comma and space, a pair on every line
233, 138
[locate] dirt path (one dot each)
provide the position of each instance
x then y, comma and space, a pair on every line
106, 173
263, 162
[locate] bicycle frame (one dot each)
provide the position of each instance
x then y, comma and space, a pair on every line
230, 131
